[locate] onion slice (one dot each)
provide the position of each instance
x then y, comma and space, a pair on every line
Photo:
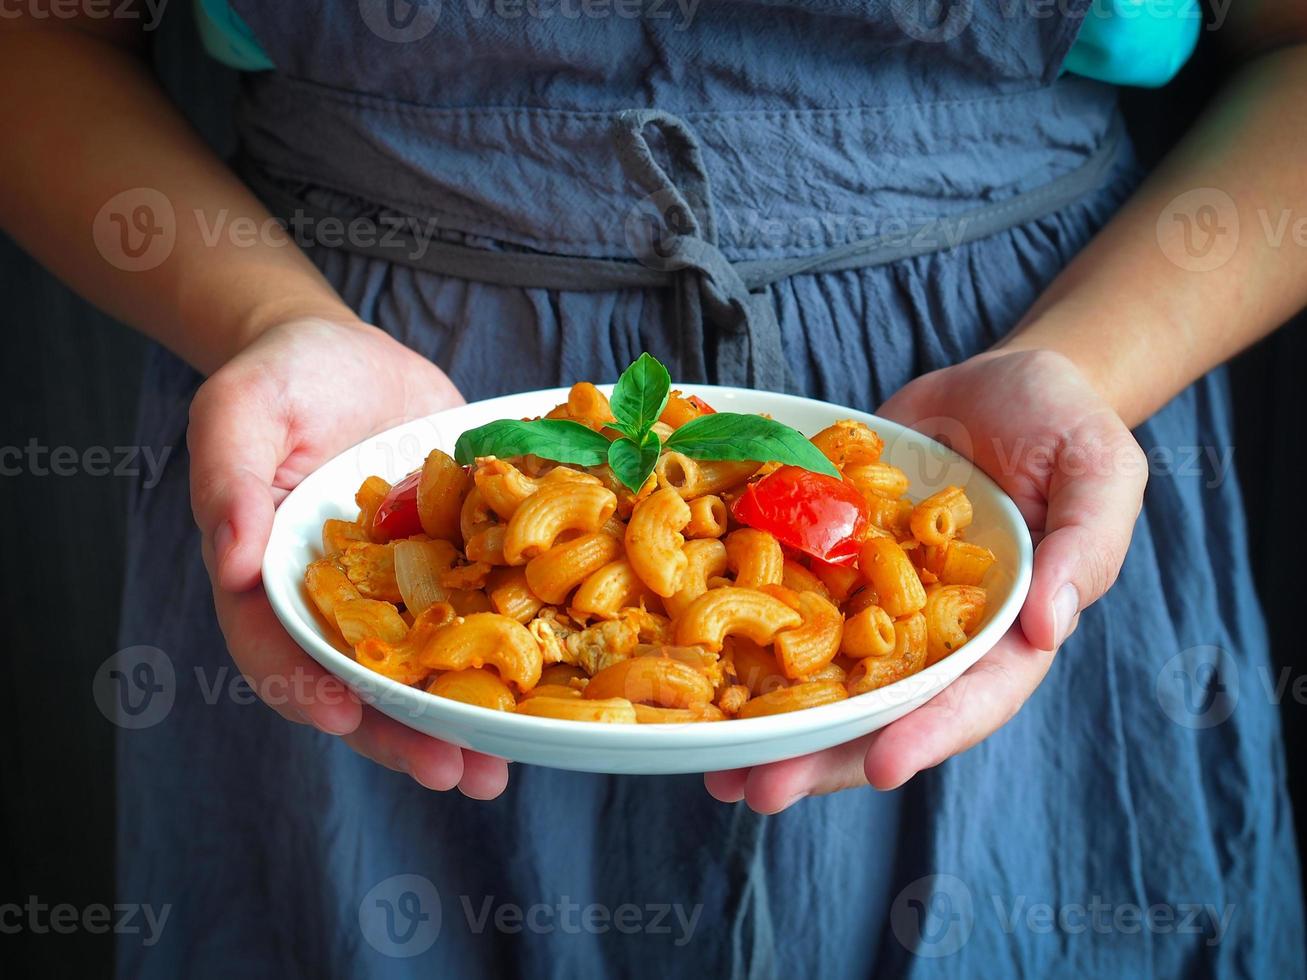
418, 566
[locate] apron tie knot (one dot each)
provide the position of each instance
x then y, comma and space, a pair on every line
745, 346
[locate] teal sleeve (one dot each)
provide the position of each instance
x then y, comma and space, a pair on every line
227, 38
1123, 42
1127, 42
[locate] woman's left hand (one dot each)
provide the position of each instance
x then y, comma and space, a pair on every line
1033, 422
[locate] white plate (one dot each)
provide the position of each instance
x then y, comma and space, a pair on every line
648, 749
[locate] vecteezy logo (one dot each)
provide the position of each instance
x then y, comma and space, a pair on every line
654, 228
135, 688
401, 916
1199, 230
933, 916
136, 230
936, 462
401, 21
932, 20
1198, 687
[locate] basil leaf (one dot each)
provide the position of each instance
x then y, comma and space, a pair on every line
632, 463
732, 435
558, 439
640, 396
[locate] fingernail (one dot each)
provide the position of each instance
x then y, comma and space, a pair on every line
333, 726
1065, 606
223, 539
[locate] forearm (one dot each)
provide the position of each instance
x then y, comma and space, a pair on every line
92, 123
1140, 310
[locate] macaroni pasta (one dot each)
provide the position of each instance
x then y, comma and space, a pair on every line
557, 592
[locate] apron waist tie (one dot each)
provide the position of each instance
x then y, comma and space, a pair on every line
684, 242
673, 233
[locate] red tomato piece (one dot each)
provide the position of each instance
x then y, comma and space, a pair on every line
397, 517
811, 512
703, 407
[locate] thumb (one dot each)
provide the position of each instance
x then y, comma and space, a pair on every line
1095, 494
236, 440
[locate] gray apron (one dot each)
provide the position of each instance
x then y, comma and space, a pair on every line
829, 198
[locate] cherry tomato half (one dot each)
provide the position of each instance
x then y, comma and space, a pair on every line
397, 517
813, 513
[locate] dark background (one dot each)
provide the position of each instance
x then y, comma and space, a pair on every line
69, 376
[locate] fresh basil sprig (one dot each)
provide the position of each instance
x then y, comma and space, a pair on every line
558, 439
638, 399
633, 463
732, 435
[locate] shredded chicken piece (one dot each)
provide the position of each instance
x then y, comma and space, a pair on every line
551, 647
732, 699
551, 628
650, 627
470, 576
602, 645
371, 567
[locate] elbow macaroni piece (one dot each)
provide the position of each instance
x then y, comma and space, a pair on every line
719, 613
755, 557
810, 646
718, 475
708, 517
965, 563
563, 567
833, 671
939, 517
475, 685
868, 633
679, 410
755, 666
612, 711
849, 443
654, 540
440, 496
952, 614
475, 515
365, 619
589, 405
487, 638
606, 592
487, 545
907, 657
704, 559
328, 586
888, 570
370, 494
694, 478
549, 512
511, 596
652, 714
795, 698
401, 661
657, 680
504, 487
799, 579
890, 515
879, 479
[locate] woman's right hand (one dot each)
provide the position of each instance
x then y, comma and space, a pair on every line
301, 393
